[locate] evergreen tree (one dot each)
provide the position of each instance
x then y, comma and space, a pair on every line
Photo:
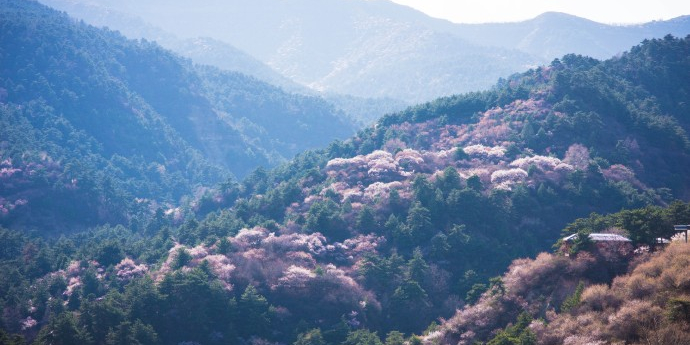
362, 337
63, 330
417, 267
419, 223
365, 220
395, 338
475, 183
254, 314
312, 337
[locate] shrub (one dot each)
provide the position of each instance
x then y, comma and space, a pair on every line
598, 298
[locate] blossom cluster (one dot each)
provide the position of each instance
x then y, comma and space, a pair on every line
497, 125
362, 244
382, 166
314, 244
295, 277
8, 172
620, 173
544, 163
378, 190
376, 166
219, 264
481, 151
27, 323
73, 276
127, 269
283, 263
7, 206
504, 179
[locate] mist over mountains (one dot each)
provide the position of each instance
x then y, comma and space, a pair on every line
372, 49
554, 34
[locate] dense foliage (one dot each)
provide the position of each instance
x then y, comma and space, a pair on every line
565, 298
92, 122
374, 237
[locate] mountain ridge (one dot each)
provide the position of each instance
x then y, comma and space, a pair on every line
345, 32
537, 36
148, 121
349, 47
210, 51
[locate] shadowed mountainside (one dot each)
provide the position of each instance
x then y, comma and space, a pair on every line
101, 110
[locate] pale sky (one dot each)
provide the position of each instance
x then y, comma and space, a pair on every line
604, 11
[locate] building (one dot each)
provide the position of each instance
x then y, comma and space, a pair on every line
600, 237
603, 242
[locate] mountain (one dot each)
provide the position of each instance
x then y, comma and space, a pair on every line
382, 234
369, 49
413, 207
88, 114
209, 51
381, 49
598, 294
110, 233
552, 34
202, 50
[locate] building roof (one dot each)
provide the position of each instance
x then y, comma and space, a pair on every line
595, 237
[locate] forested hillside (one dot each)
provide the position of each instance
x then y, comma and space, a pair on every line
594, 295
380, 235
95, 127
202, 50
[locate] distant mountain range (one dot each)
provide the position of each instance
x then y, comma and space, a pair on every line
214, 52
368, 49
554, 34
203, 50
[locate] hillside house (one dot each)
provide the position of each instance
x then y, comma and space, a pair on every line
603, 242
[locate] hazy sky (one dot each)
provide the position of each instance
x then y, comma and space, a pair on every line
605, 11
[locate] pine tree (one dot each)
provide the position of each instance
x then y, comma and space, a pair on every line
254, 318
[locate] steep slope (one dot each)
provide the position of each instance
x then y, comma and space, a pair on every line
451, 183
401, 60
96, 107
408, 220
647, 306
209, 51
601, 294
202, 50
